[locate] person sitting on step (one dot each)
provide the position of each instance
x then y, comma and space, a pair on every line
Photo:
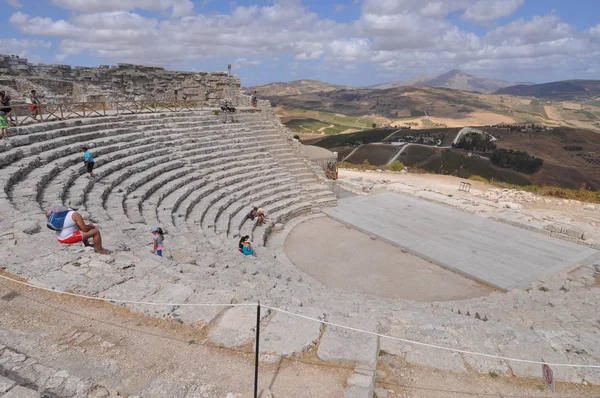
245, 246
75, 230
255, 216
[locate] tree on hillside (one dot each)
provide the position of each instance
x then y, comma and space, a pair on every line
474, 141
517, 160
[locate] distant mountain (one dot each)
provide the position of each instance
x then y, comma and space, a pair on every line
566, 90
413, 81
455, 80
409, 101
297, 87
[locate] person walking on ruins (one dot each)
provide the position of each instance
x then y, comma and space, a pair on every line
5, 102
254, 99
3, 124
88, 160
35, 102
70, 227
158, 237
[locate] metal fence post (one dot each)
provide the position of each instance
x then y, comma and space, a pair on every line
256, 356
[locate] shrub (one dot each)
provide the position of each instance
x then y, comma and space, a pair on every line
396, 165
297, 137
573, 148
216, 113
481, 142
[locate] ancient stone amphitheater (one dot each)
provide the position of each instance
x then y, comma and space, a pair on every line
197, 177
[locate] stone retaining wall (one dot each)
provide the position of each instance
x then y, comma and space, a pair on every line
121, 82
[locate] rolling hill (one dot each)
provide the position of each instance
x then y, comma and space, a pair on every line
296, 87
567, 90
454, 79
571, 156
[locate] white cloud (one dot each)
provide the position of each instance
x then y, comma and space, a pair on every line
490, 10
14, 3
394, 36
22, 47
179, 8
241, 62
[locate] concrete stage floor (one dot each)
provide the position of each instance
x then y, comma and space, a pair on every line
342, 257
496, 254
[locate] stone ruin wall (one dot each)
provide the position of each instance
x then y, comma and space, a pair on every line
64, 83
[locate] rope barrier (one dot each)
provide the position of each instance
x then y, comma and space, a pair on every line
431, 345
418, 343
109, 300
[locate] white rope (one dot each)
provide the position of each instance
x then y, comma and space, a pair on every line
109, 300
307, 318
431, 345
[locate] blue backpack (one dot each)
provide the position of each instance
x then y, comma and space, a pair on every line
57, 218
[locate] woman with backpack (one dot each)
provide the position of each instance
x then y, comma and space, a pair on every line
70, 227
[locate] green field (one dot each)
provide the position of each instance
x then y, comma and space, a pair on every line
315, 120
337, 129
360, 137
304, 125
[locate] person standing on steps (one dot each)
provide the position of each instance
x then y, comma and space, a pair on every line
3, 124
5, 102
158, 237
88, 160
254, 99
34, 104
70, 227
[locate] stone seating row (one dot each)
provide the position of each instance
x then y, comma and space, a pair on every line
142, 193
43, 147
76, 159
154, 172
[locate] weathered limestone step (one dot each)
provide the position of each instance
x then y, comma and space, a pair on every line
286, 213
270, 206
237, 327
151, 204
234, 217
198, 214
287, 335
343, 345
115, 202
217, 217
73, 181
37, 179
135, 200
37, 379
96, 197
221, 179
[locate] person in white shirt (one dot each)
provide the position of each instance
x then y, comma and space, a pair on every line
75, 230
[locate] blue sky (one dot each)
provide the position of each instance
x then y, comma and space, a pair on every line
352, 42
